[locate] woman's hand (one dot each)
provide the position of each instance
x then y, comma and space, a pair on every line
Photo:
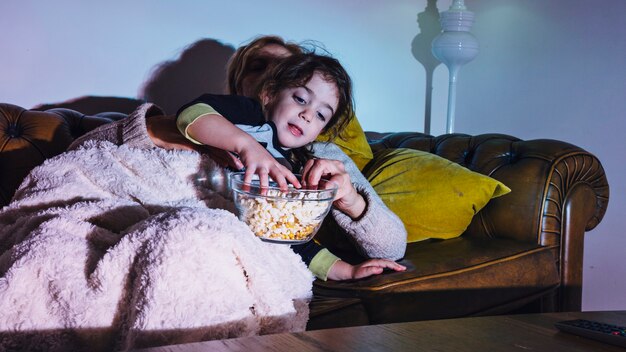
348, 200
223, 158
345, 271
164, 134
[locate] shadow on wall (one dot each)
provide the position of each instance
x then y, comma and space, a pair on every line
201, 68
429, 26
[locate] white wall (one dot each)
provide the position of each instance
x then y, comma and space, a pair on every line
547, 69
557, 69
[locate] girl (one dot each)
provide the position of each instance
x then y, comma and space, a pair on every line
306, 95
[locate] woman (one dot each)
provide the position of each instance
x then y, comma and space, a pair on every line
375, 233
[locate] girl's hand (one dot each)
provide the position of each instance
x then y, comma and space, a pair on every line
257, 160
216, 131
348, 200
344, 271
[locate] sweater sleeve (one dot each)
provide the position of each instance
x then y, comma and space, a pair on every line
378, 233
131, 131
318, 259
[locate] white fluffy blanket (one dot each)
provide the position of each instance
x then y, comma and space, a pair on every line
108, 248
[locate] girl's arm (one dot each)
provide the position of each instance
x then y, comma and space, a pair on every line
216, 131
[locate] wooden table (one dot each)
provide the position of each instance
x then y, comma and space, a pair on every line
527, 332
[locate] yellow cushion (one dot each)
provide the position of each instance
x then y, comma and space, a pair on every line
434, 197
353, 142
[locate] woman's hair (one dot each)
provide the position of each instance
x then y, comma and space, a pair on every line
240, 64
296, 70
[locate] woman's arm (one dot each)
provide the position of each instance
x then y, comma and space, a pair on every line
347, 199
377, 232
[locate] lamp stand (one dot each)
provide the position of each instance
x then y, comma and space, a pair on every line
455, 46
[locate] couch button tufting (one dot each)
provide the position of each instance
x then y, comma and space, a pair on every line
13, 131
468, 155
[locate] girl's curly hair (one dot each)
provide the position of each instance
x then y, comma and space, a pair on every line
296, 70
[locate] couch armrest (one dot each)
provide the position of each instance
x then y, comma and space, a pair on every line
559, 191
29, 137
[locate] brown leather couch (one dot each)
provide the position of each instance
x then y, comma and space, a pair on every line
522, 253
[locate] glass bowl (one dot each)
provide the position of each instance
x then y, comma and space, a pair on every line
291, 217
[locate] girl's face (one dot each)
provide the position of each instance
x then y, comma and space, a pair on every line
301, 113
262, 60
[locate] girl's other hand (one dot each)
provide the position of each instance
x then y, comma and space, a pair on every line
345, 271
348, 200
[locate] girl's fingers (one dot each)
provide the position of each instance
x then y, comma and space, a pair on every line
247, 176
293, 179
315, 169
279, 178
388, 264
331, 185
333, 170
364, 272
397, 267
278, 173
305, 170
263, 177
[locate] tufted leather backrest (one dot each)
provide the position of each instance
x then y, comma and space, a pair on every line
29, 137
545, 176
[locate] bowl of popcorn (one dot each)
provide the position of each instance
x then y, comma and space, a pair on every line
289, 216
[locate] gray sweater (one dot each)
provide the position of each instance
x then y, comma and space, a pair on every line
378, 233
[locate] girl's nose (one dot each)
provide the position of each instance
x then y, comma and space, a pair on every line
304, 114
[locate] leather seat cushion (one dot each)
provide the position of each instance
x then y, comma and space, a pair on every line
451, 278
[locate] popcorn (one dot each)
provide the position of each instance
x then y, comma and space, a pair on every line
284, 216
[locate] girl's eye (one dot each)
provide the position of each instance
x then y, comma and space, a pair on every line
299, 100
321, 117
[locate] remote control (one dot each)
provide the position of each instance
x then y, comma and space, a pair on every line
613, 334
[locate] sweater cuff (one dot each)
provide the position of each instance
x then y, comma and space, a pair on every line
134, 131
364, 223
321, 263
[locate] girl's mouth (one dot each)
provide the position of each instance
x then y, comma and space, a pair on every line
295, 130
